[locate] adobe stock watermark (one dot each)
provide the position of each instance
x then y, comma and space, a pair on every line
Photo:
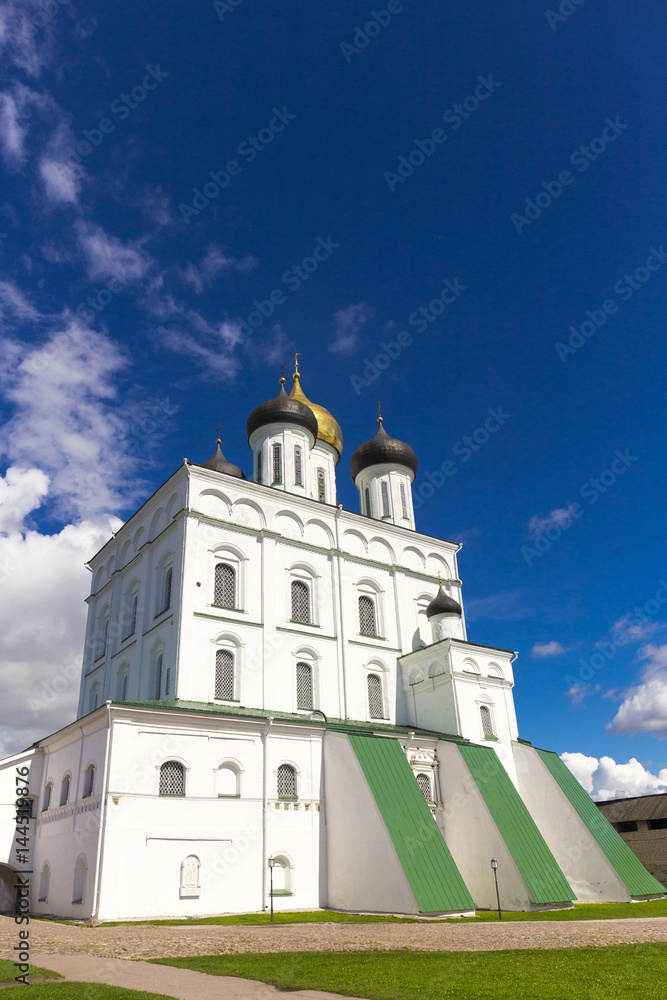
378, 19
292, 279
40, 18
420, 319
580, 158
464, 449
625, 288
454, 117
638, 618
566, 8
120, 108
249, 149
222, 7
549, 529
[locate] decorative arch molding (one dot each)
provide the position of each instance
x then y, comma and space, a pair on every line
413, 558
288, 524
139, 539
248, 514
126, 553
354, 542
416, 676
494, 670
227, 778
174, 504
471, 666
435, 563
158, 524
313, 531
378, 546
437, 669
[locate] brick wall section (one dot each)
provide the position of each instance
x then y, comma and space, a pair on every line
650, 846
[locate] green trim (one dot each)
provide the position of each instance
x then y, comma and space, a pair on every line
420, 847
638, 880
281, 892
539, 869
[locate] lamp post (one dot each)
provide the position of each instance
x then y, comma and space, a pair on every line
272, 862
494, 865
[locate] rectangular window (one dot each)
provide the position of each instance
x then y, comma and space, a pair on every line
298, 472
367, 497
404, 501
321, 486
224, 675
277, 464
657, 824
158, 678
384, 490
626, 826
259, 466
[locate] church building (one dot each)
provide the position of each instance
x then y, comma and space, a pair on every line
280, 704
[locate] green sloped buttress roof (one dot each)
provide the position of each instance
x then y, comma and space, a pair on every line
539, 869
638, 880
421, 849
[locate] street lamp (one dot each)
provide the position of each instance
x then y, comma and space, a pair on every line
494, 865
272, 864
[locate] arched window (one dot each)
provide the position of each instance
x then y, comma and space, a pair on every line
367, 498
122, 684
321, 486
132, 618
104, 637
487, 727
424, 783
166, 592
277, 464
88, 782
367, 624
92, 697
384, 492
300, 602
190, 876
167, 683
375, 701
158, 677
224, 675
224, 593
281, 876
298, 466
228, 781
286, 782
64, 790
44, 879
304, 685
404, 501
79, 886
47, 796
172, 778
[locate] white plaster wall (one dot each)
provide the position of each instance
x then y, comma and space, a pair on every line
582, 862
363, 870
395, 476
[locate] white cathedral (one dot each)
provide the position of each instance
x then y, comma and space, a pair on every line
280, 706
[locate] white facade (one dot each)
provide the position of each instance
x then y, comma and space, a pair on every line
237, 632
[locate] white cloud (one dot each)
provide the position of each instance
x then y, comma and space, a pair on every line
625, 630
25, 35
106, 257
605, 779
644, 706
13, 302
347, 324
214, 261
579, 692
561, 517
16, 107
543, 649
61, 180
21, 491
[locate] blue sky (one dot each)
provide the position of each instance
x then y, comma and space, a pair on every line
459, 211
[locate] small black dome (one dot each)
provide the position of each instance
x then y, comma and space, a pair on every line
218, 463
282, 410
443, 604
382, 450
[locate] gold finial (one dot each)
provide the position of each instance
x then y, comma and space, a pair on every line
439, 580
379, 411
217, 441
296, 375
282, 373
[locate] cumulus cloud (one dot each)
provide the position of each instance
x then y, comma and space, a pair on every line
604, 779
347, 324
543, 649
561, 517
21, 491
644, 705
107, 257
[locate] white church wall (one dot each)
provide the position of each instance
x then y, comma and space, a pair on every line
592, 877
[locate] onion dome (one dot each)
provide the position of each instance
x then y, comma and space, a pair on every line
282, 410
383, 450
218, 463
442, 603
328, 428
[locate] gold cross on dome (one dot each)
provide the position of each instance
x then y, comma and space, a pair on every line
379, 407
282, 370
296, 363
218, 434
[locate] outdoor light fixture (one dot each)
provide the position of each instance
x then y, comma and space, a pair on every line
494, 865
272, 864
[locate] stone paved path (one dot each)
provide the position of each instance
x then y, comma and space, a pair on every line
180, 983
141, 942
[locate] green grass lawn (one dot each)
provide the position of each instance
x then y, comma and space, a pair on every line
79, 991
624, 972
8, 972
581, 911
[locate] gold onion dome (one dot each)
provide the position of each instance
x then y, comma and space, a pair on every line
328, 428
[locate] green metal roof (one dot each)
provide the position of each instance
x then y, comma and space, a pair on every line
424, 856
628, 866
539, 869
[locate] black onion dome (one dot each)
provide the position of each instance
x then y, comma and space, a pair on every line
282, 410
442, 603
218, 463
382, 450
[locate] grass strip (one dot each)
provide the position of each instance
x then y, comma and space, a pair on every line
78, 991
8, 972
621, 972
